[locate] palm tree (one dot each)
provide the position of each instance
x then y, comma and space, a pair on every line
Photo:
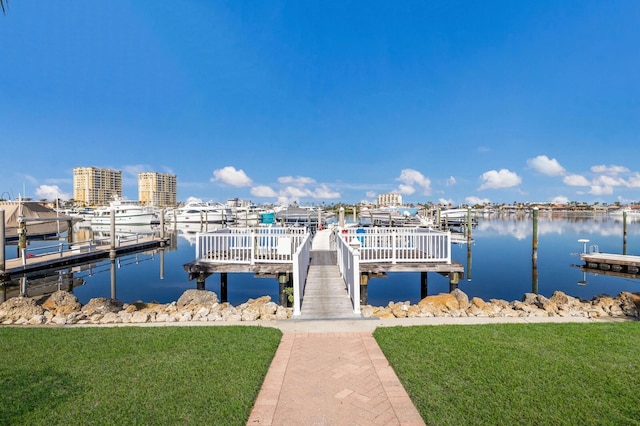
2, 2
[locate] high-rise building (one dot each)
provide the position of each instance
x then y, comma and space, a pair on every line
93, 186
391, 199
157, 189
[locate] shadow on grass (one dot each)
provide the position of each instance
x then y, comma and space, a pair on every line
25, 391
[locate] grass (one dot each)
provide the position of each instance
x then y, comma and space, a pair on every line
132, 375
545, 374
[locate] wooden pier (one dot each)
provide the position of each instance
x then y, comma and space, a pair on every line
79, 253
617, 263
328, 274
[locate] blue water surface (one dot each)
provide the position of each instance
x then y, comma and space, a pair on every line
498, 265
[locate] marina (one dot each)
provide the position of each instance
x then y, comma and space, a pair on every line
495, 263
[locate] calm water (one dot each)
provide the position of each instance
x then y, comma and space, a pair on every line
498, 266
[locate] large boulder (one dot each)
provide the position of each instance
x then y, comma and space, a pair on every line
439, 304
629, 303
19, 310
197, 298
62, 303
100, 306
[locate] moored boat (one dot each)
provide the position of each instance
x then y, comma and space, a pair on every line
126, 213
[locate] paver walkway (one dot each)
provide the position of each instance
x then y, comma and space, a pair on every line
332, 379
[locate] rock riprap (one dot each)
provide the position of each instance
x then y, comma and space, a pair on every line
62, 308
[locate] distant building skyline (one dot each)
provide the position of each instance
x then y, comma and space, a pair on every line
93, 186
157, 189
390, 199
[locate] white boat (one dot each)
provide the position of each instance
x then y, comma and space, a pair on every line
126, 213
392, 216
201, 212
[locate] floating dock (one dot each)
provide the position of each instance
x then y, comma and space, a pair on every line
80, 253
618, 263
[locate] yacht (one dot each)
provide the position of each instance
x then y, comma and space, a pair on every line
126, 213
201, 212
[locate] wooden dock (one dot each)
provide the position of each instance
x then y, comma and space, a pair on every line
82, 254
620, 263
325, 295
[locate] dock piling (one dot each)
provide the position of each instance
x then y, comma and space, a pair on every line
624, 232
112, 253
534, 253
364, 289
2, 240
424, 284
224, 295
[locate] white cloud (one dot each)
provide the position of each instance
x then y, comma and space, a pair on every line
324, 192
230, 176
575, 180
371, 194
504, 178
445, 202
193, 200
634, 181
560, 199
546, 166
605, 180
405, 189
601, 190
612, 170
51, 192
473, 200
295, 192
297, 181
410, 177
263, 191
451, 181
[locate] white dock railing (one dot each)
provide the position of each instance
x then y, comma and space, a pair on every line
349, 266
396, 245
249, 245
300, 271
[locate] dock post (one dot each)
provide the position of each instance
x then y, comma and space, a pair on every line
224, 296
454, 279
534, 241
162, 226
162, 264
424, 284
364, 288
283, 284
624, 232
23, 286
355, 216
200, 281
2, 241
112, 251
534, 253
22, 237
70, 232
341, 217
469, 261
113, 278
469, 222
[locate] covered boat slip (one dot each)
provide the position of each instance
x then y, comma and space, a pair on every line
38, 220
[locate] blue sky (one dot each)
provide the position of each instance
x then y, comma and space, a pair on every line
325, 101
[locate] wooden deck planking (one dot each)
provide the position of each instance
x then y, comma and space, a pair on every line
71, 257
612, 259
325, 294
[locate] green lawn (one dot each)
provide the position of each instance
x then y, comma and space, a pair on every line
542, 374
132, 375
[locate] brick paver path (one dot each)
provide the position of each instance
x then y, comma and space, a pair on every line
332, 379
